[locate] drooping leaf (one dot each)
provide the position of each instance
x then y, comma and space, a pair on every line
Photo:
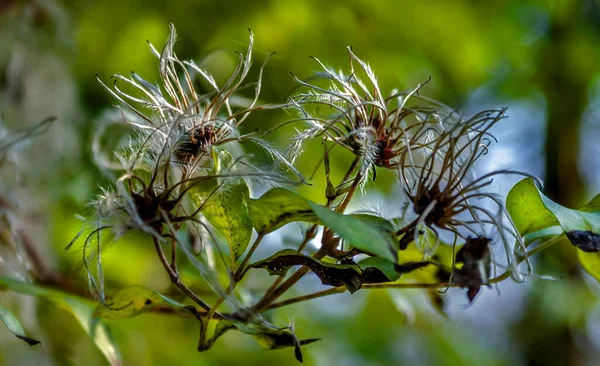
222, 327
378, 270
593, 205
532, 211
225, 207
590, 261
582, 227
80, 308
12, 323
544, 233
527, 209
278, 207
268, 337
368, 234
134, 300
330, 274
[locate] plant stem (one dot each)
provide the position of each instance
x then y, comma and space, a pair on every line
547, 244
234, 281
342, 206
173, 253
326, 243
310, 234
342, 289
240, 271
174, 276
316, 295
351, 169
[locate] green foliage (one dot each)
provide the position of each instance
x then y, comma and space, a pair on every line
12, 323
591, 261
536, 215
573, 220
532, 212
377, 270
80, 308
369, 234
268, 337
527, 209
224, 206
134, 300
592, 206
506, 44
278, 207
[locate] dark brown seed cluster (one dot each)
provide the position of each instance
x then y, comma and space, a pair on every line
194, 142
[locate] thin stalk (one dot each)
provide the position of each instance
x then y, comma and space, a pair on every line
547, 244
240, 271
327, 242
316, 295
234, 281
342, 289
174, 276
310, 234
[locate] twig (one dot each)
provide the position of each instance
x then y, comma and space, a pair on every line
240, 271
342, 289
326, 243
174, 276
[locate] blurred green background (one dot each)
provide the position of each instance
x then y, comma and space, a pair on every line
538, 58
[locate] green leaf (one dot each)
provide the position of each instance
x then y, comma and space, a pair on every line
134, 300
592, 206
330, 274
225, 207
268, 337
527, 209
591, 261
224, 204
278, 207
12, 323
532, 211
377, 222
81, 309
378, 270
369, 234
573, 220
544, 233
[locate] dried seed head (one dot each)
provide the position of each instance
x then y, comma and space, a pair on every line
360, 118
175, 122
446, 196
193, 142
